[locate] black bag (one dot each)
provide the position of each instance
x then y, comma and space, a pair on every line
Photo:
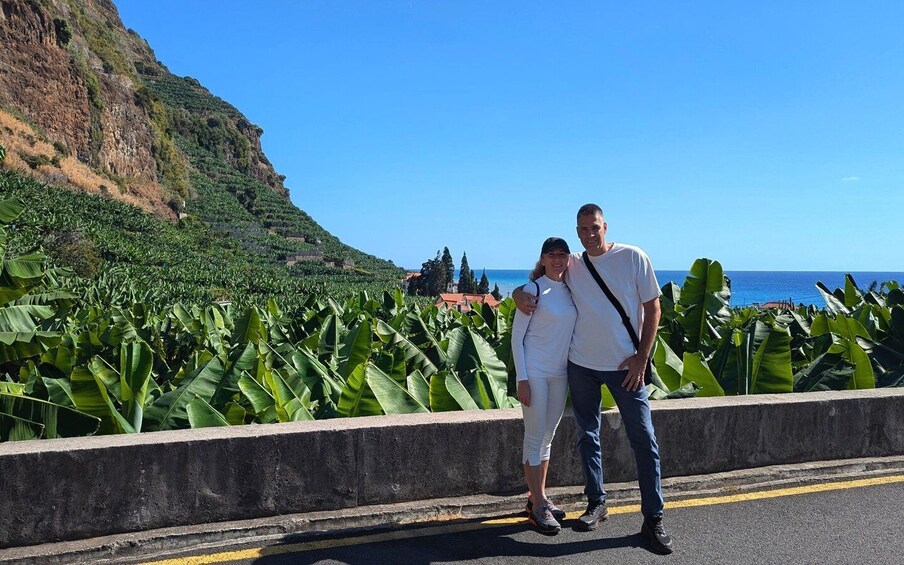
648, 372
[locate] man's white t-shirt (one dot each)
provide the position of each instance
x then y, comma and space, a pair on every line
600, 341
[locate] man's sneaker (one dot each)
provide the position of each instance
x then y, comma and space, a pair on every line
541, 518
557, 513
596, 512
654, 534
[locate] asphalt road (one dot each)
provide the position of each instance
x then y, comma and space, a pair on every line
847, 524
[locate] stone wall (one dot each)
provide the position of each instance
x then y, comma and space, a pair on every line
78, 488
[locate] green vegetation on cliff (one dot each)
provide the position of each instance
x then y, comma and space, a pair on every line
141, 257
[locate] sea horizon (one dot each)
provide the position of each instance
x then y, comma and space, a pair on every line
748, 287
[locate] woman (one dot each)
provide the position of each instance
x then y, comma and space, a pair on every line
540, 347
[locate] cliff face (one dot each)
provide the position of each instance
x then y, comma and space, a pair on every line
85, 104
69, 77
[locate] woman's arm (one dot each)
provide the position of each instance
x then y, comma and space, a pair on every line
519, 330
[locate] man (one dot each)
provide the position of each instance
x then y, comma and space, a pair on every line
602, 352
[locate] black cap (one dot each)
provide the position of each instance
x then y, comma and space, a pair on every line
554, 243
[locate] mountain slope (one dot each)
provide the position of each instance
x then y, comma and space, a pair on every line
84, 104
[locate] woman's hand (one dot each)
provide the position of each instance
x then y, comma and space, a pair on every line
524, 393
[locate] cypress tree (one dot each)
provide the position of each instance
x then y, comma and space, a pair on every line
496, 294
483, 287
466, 282
448, 265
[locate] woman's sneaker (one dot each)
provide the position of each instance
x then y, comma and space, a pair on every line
556, 512
542, 519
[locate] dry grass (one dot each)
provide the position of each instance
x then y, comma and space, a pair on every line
18, 137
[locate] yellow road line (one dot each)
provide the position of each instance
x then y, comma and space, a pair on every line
497, 522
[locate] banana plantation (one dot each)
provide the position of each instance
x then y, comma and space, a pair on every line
75, 363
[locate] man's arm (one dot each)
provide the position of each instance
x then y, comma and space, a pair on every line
637, 363
651, 314
525, 301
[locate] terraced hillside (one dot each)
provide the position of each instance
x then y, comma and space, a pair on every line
121, 255
86, 105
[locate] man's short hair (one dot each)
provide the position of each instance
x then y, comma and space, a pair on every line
590, 210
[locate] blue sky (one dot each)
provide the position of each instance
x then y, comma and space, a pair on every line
766, 135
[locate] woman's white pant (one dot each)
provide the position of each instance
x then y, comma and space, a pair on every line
547, 403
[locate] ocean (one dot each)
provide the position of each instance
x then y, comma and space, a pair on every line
747, 287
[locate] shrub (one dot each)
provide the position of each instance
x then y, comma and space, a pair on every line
71, 248
34, 161
63, 31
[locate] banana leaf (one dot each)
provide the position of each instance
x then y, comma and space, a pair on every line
169, 411
478, 367
771, 368
668, 365
13, 428
441, 400
356, 348
863, 377
293, 398
59, 391
58, 421
248, 328
203, 415
829, 371
243, 359
23, 318
357, 398
697, 371
10, 209
833, 303
393, 398
262, 401
852, 295
456, 389
703, 303
16, 346
419, 386
416, 358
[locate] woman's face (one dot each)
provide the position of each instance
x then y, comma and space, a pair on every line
555, 262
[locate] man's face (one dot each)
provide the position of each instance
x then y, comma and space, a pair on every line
592, 233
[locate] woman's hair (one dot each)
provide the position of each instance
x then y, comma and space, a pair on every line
539, 271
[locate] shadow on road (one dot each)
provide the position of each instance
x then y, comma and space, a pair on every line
462, 546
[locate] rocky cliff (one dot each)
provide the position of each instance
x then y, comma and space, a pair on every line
69, 73
85, 104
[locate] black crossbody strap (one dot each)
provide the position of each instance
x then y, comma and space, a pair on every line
618, 307
536, 284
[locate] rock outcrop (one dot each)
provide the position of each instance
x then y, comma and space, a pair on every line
72, 77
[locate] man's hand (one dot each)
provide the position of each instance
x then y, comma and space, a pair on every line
524, 393
636, 366
525, 301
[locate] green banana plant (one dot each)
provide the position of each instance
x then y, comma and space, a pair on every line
703, 304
